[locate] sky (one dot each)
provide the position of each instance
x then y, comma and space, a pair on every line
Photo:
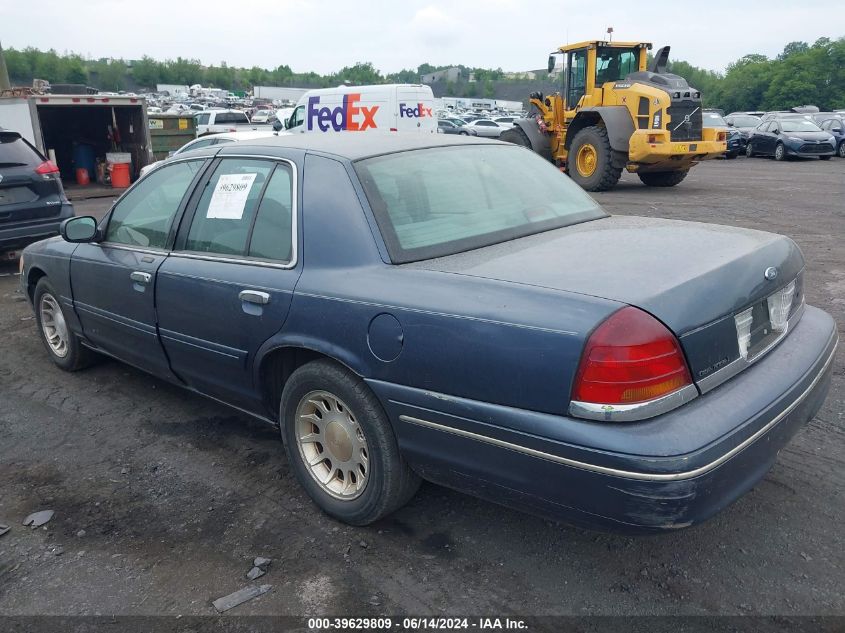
325, 35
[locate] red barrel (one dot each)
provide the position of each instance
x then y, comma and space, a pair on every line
82, 176
120, 175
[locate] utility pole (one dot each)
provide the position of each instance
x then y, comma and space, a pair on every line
5, 84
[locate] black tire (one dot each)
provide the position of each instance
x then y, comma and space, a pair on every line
841, 151
825, 157
780, 152
517, 136
463, 133
749, 151
390, 482
77, 356
605, 175
663, 178
731, 156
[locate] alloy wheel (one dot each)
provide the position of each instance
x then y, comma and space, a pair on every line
332, 445
53, 325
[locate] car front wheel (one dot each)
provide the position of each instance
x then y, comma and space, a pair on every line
64, 347
841, 151
749, 152
341, 446
780, 152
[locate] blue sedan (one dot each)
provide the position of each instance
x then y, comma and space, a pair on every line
403, 312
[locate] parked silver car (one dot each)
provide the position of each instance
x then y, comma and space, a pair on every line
487, 128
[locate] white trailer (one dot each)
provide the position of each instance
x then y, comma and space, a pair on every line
173, 89
275, 93
57, 124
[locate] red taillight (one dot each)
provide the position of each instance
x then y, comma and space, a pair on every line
47, 167
630, 358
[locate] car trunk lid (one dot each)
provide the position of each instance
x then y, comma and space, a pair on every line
693, 277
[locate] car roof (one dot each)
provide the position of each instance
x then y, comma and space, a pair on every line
352, 146
246, 135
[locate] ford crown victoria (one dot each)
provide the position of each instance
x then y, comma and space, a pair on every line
402, 311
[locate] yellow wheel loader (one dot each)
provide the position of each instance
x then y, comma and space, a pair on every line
614, 113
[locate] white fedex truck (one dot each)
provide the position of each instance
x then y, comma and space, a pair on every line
380, 108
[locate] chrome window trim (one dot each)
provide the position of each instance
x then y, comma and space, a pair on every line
140, 249
232, 260
730, 370
294, 248
633, 412
628, 474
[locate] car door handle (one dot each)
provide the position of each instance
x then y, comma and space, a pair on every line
141, 278
254, 296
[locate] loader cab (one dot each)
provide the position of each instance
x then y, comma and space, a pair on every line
590, 65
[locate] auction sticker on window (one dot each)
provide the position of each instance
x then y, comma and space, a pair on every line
229, 197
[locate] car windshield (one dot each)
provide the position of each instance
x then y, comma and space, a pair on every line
745, 121
711, 119
446, 200
799, 125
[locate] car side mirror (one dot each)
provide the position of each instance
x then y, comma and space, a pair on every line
79, 230
836, 130
277, 125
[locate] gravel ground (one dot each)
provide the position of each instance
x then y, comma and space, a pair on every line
162, 499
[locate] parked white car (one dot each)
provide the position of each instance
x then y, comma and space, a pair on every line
213, 139
263, 116
216, 121
487, 128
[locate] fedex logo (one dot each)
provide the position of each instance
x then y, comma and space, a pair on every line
417, 112
350, 116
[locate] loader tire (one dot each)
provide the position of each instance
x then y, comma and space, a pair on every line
590, 160
663, 178
516, 136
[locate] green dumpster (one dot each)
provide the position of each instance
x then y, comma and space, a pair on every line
169, 132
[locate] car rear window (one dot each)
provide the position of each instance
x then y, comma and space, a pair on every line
440, 201
16, 152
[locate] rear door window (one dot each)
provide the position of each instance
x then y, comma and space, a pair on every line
16, 152
272, 234
143, 216
224, 215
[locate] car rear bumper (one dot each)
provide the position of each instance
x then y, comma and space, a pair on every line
670, 472
17, 235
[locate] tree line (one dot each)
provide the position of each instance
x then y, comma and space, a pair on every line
801, 74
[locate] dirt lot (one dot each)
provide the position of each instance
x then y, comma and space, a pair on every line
162, 498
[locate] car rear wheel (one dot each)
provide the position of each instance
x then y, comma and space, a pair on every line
780, 152
341, 446
64, 347
663, 178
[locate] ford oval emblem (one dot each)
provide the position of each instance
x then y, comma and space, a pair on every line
771, 273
